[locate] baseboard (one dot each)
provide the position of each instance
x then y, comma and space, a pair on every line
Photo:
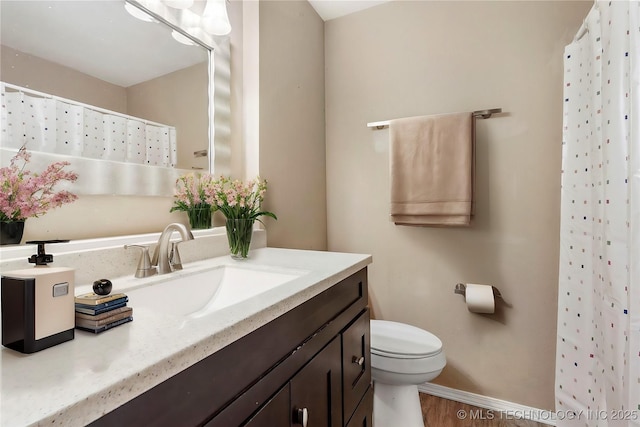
505, 408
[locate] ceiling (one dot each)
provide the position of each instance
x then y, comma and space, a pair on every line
331, 9
97, 37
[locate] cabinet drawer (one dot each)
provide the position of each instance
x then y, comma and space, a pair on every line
363, 415
274, 413
356, 369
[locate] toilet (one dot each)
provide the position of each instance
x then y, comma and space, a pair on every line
402, 357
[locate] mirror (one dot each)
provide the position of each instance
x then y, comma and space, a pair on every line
140, 96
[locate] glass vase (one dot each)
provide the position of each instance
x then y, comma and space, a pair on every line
199, 218
11, 232
239, 233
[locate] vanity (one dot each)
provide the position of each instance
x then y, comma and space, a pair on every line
294, 353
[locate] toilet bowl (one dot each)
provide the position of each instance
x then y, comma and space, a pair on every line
402, 357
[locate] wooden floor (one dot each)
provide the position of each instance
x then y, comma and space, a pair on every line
438, 412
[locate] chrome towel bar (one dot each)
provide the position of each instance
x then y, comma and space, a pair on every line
480, 114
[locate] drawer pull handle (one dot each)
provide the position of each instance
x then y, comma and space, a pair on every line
302, 417
358, 360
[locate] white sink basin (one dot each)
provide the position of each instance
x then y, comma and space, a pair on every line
201, 293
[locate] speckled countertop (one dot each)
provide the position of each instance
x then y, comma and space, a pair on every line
76, 382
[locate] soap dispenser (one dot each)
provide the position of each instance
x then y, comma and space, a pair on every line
38, 304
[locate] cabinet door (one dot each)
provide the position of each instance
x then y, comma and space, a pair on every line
316, 391
363, 415
274, 413
356, 368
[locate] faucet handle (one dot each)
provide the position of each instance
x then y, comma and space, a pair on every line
145, 269
174, 257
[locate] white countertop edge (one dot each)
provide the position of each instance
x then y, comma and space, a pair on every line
85, 408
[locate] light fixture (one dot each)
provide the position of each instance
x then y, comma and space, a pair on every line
189, 20
179, 4
215, 20
138, 13
181, 38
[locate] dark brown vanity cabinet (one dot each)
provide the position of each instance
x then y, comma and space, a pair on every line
309, 365
329, 388
312, 398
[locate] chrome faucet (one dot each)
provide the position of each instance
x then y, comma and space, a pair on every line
145, 269
165, 255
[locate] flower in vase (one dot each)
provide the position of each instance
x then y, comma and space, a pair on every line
240, 203
26, 194
191, 198
237, 199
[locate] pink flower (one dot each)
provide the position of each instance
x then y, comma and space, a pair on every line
237, 199
192, 191
25, 194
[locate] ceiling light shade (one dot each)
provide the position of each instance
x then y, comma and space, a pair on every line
138, 13
179, 4
189, 20
215, 19
181, 38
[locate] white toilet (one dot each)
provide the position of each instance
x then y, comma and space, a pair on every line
402, 357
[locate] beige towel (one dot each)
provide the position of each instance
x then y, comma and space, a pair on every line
431, 167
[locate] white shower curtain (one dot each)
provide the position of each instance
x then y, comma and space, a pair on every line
48, 124
12, 123
70, 128
598, 346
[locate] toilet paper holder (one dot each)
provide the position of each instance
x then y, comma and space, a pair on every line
461, 289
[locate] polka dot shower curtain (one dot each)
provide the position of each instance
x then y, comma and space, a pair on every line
48, 124
598, 347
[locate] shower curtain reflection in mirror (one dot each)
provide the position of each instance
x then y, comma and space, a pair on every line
53, 125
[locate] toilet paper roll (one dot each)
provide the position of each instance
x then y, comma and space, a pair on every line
480, 298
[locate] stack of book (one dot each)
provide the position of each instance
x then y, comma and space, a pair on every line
98, 313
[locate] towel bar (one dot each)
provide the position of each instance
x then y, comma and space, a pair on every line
480, 114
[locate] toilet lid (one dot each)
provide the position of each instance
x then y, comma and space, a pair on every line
399, 340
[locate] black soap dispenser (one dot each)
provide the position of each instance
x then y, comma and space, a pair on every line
38, 304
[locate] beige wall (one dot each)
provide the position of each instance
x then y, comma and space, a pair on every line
26, 70
292, 127
408, 58
177, 99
